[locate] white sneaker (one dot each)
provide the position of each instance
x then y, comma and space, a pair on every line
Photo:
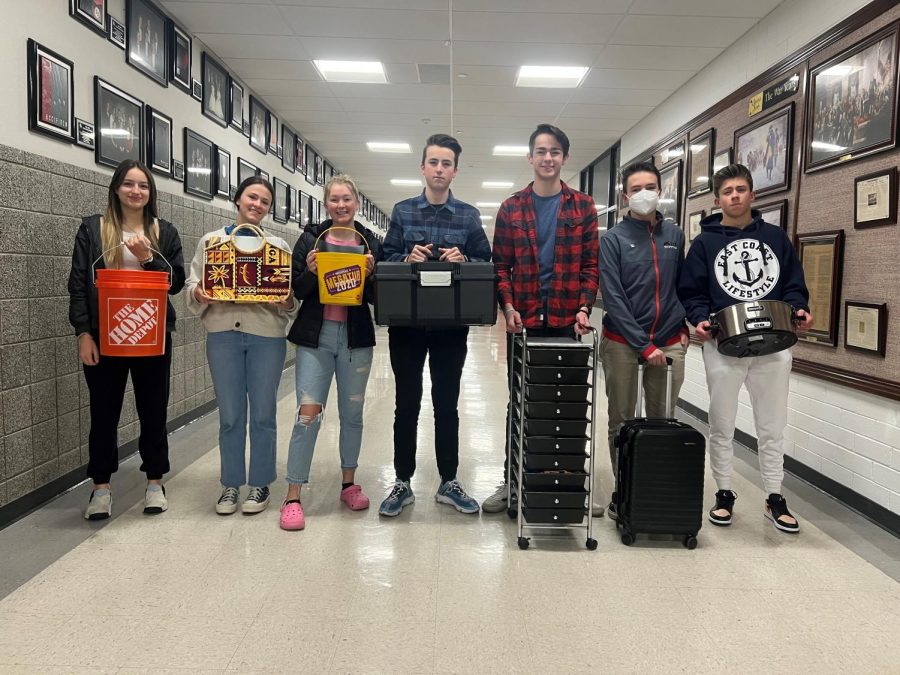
228, 502
155, 501
496, 502
597, 510
99, 507
257, 500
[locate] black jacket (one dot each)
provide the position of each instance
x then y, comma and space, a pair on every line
305, 330
83, 313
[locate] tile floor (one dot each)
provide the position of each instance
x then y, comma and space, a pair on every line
432, 591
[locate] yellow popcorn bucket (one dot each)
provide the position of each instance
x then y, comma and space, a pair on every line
342, 275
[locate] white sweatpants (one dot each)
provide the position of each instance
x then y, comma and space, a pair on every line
768, 382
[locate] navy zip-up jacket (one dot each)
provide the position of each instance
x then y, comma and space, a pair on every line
727, 265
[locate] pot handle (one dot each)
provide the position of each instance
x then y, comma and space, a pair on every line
713, 326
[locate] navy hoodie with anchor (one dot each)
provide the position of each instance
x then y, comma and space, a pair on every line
727, 265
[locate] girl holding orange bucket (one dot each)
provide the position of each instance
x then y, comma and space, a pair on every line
245, 348
333, 341
131, 241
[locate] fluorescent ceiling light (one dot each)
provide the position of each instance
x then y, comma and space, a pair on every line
510, 150
567, 77
375, 146
488, 205
496, 184
352, 71
406, 182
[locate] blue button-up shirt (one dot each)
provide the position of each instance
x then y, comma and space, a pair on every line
455, 223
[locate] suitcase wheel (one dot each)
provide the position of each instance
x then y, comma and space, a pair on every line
627, 538
523, 543
690, 542
591, 544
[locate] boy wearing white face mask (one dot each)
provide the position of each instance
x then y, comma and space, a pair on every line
640, 259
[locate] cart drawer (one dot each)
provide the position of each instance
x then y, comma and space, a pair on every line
557, 357
542, 462
555, 374
554, 516
553, 411
550, 445
555, 500
554, 481
556, 428
563, 392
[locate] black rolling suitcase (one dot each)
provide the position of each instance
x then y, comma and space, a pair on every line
659, 482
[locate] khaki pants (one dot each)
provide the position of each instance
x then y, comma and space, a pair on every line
620, 371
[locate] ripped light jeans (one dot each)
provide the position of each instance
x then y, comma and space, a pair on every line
314, 371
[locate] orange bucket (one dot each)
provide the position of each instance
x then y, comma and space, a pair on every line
132, 307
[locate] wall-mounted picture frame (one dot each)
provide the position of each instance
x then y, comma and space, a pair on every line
148, 40
199, 164
232, 193
670, 190
288, 143
764, 146
245, 170
309, 163
700, 164
237, 105
245, 128
875, 199
272, 126
51, 93
119, 124
84, 134
262, 174
673, 151
159, 142
774, 213
216, 100
282, 202
303, 200
721, 159
223, 171
822, 258
259, 125
92, 13
852, 109
292, 202
181, 58
197, 89
693, 226
865, 327
115, 32
320, 169
300, 155
178, 170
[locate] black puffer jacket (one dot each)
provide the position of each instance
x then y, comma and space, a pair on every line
306, 329
83, 313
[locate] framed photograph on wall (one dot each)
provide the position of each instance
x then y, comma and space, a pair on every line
245, 170
84, 134
865, 326
670, 190
51, 93
292, 203
223, 172
148, 40
216, 90
262, 174
672, 152
320, 170
119, 124
92, 13
237, 105
309, 163
720, 161
281, 201
693, 226
700, 158
775, 213
272, 145
852, 108
288, 141
181, 58
199, 164
764, 147
822, 258
875, 199
159, 142
300, 155
259, 121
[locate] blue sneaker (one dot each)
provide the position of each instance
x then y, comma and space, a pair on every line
399, 496
453, 494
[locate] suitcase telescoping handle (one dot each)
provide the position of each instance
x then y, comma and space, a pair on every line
642, 362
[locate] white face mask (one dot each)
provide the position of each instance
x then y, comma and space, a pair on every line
644, 202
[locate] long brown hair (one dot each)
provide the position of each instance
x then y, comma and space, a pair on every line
111, 223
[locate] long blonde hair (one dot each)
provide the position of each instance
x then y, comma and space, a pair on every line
111, 223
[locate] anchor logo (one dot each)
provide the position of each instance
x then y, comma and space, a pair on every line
746, 259
747, 269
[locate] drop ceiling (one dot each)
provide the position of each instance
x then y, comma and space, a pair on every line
639, 53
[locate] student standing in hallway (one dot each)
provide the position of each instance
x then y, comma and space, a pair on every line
545, 252
432, 225
124, 238
640, 260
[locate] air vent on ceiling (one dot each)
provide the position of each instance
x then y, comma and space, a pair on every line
434, 73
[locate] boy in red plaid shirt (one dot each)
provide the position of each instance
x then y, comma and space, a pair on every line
545, 252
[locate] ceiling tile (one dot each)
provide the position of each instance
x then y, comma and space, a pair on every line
680, 31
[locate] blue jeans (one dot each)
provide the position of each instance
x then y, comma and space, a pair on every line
246, 367
314, 371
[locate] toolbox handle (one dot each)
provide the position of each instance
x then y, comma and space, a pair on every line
639, 406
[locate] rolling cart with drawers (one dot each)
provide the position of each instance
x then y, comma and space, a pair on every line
551, 432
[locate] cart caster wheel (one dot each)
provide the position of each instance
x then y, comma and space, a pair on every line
627, 538
591, 544
690, 542
512, 513
523, 543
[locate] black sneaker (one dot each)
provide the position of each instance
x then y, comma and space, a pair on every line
724, 502
611, 509
777, 512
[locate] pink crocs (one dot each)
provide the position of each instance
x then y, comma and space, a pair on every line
292, 516
355, 498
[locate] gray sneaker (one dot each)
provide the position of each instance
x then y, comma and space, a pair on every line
257, 500
228, 502
498, 501
452, 493
155, 501
401, 495
99, 507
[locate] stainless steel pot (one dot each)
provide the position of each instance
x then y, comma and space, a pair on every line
754, 328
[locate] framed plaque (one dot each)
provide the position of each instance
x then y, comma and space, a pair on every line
865, 326
875, 199
693, 228
670, 190
764, 147
822, 259
668, 154
245, 170
722, 159
700, 163
775, 213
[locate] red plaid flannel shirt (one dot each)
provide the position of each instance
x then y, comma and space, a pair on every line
575, 276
